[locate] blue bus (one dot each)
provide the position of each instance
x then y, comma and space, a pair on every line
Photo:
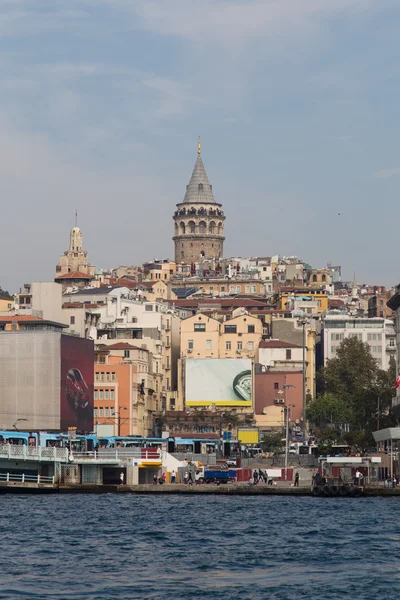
18, 438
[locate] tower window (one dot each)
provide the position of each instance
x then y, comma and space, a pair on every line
200, 187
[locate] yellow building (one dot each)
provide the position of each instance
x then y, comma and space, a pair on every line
6, 304
289, 295
159, 270
203, 336
223, 285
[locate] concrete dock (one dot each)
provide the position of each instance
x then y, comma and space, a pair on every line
180, 489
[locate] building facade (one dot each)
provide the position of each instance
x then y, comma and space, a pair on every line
378, 333
198, 221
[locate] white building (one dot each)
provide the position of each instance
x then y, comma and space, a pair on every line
378, 333
281, 356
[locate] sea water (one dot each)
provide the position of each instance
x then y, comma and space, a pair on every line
124, 547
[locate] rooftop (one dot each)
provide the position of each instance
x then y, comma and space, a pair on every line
277, 344
74, 275
199, 189
120, 346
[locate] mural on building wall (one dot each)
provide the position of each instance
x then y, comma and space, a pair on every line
77, 378
219, 381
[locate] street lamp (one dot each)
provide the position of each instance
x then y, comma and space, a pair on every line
286, 411
303, 322
118, 415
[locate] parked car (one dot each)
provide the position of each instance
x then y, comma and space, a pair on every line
77, 389
231, 462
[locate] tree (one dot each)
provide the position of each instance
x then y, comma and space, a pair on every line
4, 293
328, 409
273, 443
355, 381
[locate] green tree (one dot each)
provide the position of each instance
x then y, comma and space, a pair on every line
273, 442
354, 379
328, 409
4, 293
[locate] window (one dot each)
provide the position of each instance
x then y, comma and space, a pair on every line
106, 413
102, 377
167, 342
253, 289
276, 385
288, 355
108, 377
113, 376
101, 394
228, 346
95, 412
250, 329
190, 344
333, 349
112, 395
72, 320
250, 346
240, 345
127, 353
199, 326
230, 328
391, 342
100, 412
319, 303
149, 307
112, 412
247, 289
96, 395
208, 344
106, 394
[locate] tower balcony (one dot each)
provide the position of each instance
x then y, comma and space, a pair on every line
182, 236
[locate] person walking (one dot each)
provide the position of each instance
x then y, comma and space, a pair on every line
173, 476
190, 479
296, 479
122, 478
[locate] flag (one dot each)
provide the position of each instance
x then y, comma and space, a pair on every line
398, 381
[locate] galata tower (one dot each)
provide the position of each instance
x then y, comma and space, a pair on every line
199, 220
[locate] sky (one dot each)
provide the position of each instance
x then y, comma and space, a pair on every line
296, 103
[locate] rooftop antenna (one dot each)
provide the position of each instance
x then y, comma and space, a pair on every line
76, 217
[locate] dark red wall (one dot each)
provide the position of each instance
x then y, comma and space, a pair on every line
77, 356
266, 392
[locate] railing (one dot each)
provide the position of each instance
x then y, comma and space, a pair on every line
119, 454
23, 478
33, 453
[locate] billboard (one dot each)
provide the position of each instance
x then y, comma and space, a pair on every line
219, 381
30, 380
77, 378
248, 435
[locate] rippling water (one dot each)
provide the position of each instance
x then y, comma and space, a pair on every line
194, 547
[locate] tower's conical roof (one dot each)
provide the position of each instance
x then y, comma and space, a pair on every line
199, 189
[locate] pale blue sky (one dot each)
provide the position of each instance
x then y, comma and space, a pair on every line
296, 102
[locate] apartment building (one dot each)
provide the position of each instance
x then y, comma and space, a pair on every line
203, 336
377, 332
125, 397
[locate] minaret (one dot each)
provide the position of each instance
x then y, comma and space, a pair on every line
199, 220
354, 288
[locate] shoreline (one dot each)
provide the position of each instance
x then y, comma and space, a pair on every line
182, 489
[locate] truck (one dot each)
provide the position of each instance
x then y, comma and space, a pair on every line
210, 474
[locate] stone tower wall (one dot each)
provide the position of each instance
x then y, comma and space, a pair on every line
198, 232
